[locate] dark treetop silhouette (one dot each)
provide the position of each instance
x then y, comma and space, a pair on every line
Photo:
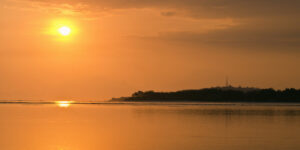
217, 94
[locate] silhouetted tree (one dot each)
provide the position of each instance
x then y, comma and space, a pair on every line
219, 95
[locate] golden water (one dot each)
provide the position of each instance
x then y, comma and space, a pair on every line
150, 126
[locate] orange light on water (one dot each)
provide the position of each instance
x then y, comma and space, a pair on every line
63, 103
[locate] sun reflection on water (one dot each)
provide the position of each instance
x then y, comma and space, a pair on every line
64, 103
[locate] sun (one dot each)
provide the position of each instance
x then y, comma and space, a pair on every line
64, 31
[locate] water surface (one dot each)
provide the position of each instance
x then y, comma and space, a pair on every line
149, 126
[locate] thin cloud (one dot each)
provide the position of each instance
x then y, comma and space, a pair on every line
262, 23
196, 8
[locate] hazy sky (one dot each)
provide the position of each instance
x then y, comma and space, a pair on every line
117, 47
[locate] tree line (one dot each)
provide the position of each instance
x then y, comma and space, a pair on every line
217, 95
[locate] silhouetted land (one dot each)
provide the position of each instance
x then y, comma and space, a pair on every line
217, 94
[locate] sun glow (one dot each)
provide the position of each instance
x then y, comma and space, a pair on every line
64, 31
63, 103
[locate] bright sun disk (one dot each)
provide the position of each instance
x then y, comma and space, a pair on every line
64, 30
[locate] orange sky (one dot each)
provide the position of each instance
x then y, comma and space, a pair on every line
118, 47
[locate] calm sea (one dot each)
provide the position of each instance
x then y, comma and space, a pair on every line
149, 126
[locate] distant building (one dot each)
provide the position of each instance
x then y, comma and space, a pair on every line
229, 87
243, 89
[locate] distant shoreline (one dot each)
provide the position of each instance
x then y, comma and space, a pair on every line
217, 94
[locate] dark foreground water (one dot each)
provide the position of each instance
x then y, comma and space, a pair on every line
149, 126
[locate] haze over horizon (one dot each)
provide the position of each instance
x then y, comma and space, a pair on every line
113, 48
